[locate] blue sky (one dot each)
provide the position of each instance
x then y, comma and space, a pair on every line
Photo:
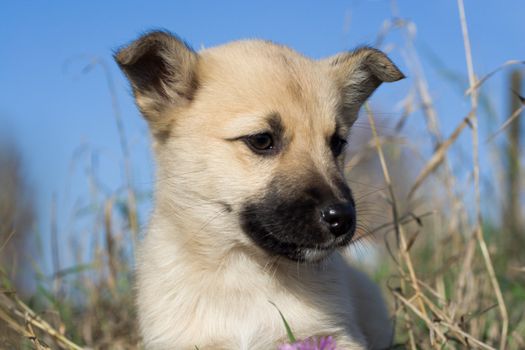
55, 113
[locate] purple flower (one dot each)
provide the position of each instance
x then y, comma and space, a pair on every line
323, 343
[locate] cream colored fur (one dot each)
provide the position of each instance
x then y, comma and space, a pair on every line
200, 280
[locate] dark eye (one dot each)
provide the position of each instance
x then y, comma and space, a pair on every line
260, 143
337, 144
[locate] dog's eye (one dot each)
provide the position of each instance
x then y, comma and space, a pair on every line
337, 144
260, 143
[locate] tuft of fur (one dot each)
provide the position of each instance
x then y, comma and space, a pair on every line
201, 280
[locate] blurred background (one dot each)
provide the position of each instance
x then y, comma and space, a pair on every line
441, 220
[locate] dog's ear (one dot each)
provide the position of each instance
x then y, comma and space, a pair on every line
358, 74
162, 71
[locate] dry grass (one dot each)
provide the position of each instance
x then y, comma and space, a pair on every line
450, 279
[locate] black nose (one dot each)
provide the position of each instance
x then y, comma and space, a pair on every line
339, 217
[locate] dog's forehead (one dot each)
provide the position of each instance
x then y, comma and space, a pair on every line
252, 56
259, 77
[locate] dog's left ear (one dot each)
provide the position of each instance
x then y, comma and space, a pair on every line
162, 71
358, 74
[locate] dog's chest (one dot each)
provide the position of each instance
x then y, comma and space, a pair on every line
249, 321
234, 310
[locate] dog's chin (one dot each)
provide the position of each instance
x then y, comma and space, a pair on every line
317, 253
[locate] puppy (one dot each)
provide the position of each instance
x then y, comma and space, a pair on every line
251, 205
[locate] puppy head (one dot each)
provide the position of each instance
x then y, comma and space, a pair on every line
249, 139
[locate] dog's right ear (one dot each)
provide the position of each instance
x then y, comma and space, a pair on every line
161, 70
358, 73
